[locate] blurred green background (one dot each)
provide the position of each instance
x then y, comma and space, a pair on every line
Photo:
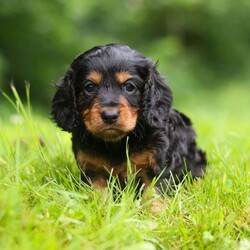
201, 45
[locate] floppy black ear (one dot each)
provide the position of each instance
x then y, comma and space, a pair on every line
157, 99
64, 111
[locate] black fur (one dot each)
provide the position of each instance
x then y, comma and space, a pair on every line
165, 131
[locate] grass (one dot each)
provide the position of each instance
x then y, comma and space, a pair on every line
43, 204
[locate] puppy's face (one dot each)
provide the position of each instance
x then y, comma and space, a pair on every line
109, 92
109, 102
108, 89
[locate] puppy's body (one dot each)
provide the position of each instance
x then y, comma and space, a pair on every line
112, 97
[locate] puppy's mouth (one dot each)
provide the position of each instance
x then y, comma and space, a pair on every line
111, 134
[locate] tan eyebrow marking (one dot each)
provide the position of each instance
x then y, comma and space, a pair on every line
95, 77
122, 77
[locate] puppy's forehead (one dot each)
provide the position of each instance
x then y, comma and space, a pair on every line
113, 57
114, 51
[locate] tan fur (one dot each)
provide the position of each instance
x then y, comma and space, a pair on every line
95, 77
139, 164
122, 77
99, 183
144, 159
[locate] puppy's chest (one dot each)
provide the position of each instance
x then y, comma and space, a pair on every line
115, 162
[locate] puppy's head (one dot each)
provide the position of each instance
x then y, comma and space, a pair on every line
108, 89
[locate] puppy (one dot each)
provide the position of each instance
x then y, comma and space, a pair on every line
113, 100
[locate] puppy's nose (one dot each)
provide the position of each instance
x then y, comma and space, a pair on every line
109, 116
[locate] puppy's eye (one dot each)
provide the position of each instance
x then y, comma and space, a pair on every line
129, 87
89, 87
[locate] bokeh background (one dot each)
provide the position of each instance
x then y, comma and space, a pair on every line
203, 49
201, 45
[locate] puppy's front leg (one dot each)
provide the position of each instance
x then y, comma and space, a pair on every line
151, 194
99, 183
94, 179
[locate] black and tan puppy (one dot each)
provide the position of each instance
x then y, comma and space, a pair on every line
111, 93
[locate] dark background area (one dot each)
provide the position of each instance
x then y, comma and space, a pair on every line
199, 44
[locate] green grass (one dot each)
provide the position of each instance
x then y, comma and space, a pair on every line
43, 204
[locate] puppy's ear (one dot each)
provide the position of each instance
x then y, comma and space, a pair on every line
64, 111
157, 99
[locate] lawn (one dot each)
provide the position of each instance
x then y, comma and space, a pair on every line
43, 204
